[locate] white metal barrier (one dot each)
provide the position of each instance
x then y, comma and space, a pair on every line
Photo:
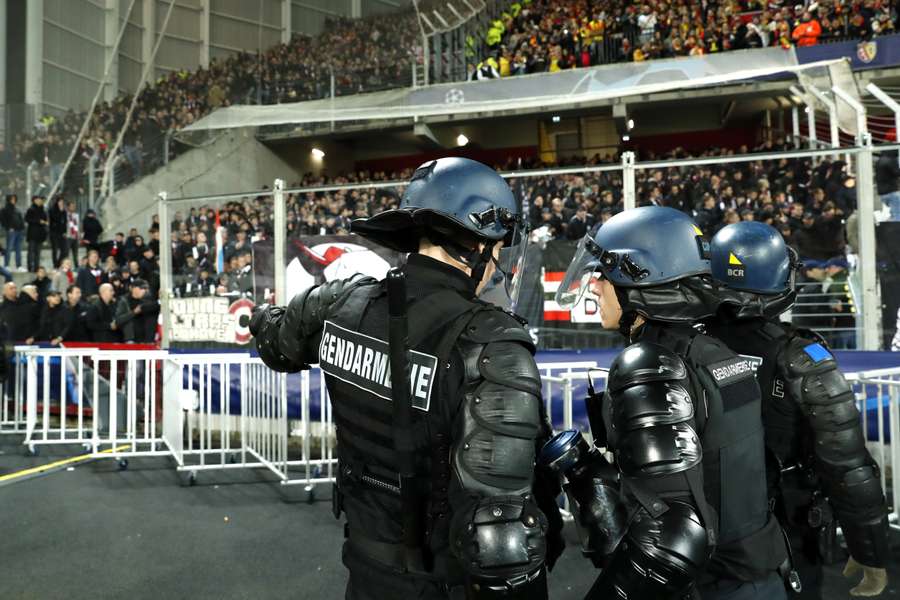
882, 387
113, 393
152, 403
12, 412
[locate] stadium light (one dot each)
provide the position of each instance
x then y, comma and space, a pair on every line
630, 124
556, 118
626, 138
317, 154
461, 140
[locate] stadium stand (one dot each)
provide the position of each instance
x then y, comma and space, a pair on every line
543, 35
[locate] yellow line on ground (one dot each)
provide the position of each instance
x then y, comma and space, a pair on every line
59, 463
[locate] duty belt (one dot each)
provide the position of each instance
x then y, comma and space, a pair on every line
397, 557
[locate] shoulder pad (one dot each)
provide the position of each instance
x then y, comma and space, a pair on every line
804, 354
496, 325
644, 362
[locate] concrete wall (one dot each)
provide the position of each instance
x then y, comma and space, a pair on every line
69, 42
239, 25
74, 52
377, 7
309, 16
236, 162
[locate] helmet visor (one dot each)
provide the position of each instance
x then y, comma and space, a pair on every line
511, 262
584, 268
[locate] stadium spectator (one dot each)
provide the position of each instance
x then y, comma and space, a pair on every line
53, 320
42, 283
8, 311
101, 323
73, 230
75, 317
91, 230
91, 276
28, 314
57, 229
63, 277
137, 313
36, 234
807, 32
11, 220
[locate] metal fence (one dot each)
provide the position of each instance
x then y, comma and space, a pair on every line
878, 398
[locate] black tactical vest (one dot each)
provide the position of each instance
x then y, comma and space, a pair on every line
787, 431
354, 354
728, 415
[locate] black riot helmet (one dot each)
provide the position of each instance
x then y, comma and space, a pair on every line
452, 201
657, 260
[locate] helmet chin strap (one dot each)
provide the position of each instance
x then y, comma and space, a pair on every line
476, 260
629, 314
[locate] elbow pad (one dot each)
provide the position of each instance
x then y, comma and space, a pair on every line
660, 558
502, 548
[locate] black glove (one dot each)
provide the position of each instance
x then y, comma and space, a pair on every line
546, 489
264, 326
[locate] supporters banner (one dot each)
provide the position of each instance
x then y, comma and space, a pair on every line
209, 319
313, 260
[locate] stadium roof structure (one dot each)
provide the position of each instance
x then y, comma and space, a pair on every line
578, 88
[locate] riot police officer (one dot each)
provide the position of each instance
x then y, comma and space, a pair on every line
472, 515
681, 414
811, 421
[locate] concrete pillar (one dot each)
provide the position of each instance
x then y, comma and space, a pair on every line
286, 23
110, 33
204, 32
355, 9
3, 39
34, 56
148, 37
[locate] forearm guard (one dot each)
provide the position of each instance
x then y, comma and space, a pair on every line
498, 532
660, 557
850, 477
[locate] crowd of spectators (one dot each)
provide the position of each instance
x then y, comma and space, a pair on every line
810, 203
362, 54
100, 290
533, 36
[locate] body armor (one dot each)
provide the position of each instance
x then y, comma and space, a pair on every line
477, 419
678, 414
814, 433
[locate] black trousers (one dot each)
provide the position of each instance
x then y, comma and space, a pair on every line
34, 255
72, 246
58, 249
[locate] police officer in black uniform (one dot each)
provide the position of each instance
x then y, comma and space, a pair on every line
821, 466
681, 414
472, 520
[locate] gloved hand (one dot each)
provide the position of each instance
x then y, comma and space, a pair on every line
264, 326
546, 488
873, 582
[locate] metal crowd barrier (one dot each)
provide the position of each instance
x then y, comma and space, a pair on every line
111, 395
882, 388
12, 411
229, 411
244, 425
